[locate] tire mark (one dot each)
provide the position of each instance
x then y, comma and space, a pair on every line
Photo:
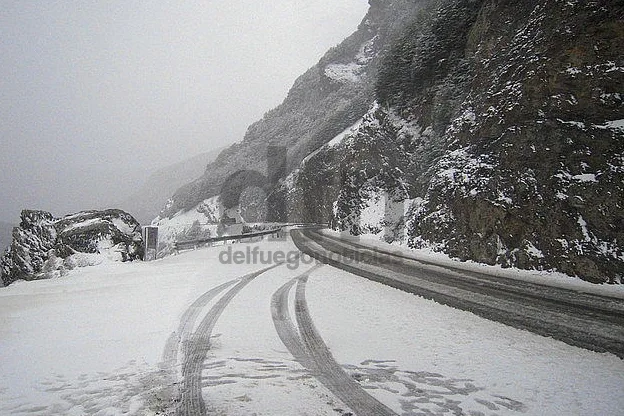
309, 349
346, 388
187, 321
197, 346
286, 329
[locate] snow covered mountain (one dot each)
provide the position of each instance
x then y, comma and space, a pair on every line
325, 100
490, 130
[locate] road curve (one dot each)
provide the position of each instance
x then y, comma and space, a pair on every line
306, 345
586, 320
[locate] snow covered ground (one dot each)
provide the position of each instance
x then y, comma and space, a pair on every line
92, 343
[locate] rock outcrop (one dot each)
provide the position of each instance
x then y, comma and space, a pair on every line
44, 246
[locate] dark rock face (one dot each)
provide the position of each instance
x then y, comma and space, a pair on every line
521, 161
532, 175
32, 240
42, 244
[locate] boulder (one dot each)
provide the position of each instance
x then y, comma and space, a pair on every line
44, 246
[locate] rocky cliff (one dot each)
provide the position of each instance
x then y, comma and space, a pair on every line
44, 246
490, 130
501, 125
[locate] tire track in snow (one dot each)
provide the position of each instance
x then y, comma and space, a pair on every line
197, 346
285, 326
307, 346
187, 321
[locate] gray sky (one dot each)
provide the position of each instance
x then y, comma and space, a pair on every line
96, 95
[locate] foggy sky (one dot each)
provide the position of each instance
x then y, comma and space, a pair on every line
96, 95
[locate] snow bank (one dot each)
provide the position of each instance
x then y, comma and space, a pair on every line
550, 278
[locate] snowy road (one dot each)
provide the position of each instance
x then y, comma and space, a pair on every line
191, 334
582, 319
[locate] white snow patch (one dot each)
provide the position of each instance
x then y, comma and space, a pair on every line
534, 251
310, 156
468, 116
91, 343
583, 224
582, 177
398, 342
366, 52
585, 177
123, 226
373, 213
346, 132
611, 125
353, 71
82, 224
504, 198
350, 72
573, 71
578, 124
111, 251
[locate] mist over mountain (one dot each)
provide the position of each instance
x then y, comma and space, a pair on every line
489, 130
145, 203
5, 235
323, 101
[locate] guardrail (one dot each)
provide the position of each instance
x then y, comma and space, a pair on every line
186, 244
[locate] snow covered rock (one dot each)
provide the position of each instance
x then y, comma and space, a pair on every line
44, 246
504, 122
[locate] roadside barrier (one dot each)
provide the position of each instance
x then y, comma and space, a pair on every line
193, 244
